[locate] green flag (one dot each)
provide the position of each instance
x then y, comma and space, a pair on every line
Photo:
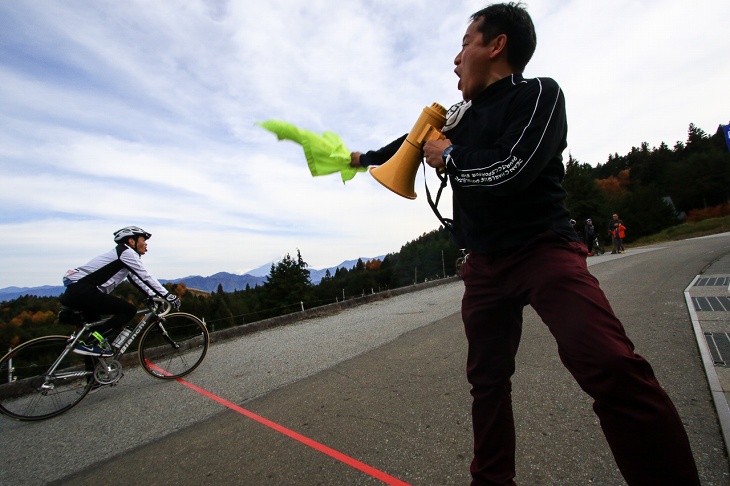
326, 153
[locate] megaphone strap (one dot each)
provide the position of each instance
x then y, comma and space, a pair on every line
448, 223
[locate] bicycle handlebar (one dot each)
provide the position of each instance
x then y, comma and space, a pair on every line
160, 303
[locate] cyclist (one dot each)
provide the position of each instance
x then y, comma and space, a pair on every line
89, 286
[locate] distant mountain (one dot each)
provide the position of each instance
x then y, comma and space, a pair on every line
316, 276
10, 293
228, 281
262, 271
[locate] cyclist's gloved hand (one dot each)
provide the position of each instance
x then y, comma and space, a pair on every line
174, 300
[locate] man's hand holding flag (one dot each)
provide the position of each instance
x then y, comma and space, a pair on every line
326, 153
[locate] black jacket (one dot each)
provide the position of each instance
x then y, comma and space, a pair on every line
506, 167
590, 232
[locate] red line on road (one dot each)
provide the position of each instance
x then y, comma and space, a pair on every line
387, 479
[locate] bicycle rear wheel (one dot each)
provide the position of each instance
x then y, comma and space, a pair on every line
173, 346
27, 392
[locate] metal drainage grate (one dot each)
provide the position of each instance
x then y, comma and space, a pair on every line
711, 304
719, 344
712, 282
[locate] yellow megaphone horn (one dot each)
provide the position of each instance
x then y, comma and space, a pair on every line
399, 173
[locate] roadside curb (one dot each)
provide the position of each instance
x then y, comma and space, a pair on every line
701, 326
322, 311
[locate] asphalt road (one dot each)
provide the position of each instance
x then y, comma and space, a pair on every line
383, 385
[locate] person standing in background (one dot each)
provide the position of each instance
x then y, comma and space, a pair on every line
589, 234
612, 227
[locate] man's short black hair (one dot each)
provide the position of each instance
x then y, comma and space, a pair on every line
512, 20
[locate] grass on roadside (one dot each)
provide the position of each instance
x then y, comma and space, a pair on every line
687, 230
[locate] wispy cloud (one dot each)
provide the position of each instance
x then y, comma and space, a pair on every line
117, 113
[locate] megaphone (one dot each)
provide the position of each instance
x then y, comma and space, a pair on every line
399, 173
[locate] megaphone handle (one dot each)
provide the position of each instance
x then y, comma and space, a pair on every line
441, 136
432, 133
435, 135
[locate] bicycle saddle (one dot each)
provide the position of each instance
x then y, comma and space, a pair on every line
67, 315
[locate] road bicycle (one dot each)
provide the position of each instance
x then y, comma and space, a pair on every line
460, 261
598, 248
43, 377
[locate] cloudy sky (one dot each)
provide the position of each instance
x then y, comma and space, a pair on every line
143, 112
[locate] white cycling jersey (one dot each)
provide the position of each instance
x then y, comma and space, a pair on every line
109, 269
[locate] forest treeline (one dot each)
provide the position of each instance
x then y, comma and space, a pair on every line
650, 188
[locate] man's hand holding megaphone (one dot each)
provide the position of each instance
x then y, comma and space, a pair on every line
433, 152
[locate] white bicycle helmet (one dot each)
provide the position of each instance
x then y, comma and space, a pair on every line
130, 232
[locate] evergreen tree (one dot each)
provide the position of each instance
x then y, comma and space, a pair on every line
288, 283
584, 200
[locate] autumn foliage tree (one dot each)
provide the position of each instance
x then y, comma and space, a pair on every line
653, 188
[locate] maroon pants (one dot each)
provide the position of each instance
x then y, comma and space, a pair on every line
642, 426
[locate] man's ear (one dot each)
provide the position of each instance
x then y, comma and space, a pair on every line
499, 45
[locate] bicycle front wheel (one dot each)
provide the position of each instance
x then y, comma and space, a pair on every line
173, 346
459, 266
29, 391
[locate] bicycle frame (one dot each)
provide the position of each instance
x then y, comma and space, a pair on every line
50, 381
141, 326
149, 314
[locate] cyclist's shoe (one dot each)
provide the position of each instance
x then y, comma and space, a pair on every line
92, 350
